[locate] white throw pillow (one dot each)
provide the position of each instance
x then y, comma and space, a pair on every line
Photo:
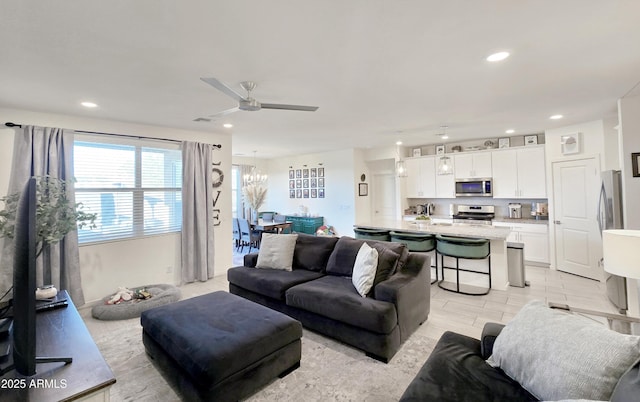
276, 251
555, 355
364, 269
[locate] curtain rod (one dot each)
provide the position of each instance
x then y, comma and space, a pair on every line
219, 146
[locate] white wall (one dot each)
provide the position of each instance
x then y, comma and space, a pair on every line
593, 144
152, 260
338, 206
629, 116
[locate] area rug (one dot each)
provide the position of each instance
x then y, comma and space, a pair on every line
329, 370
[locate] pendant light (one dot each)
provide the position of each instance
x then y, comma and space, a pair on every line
255, 176
401, 169
444, 162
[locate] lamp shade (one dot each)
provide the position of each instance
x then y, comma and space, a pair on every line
620, 251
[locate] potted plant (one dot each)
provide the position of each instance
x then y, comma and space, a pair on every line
255, 195
55, 214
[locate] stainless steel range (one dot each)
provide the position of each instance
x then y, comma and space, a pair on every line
474, 214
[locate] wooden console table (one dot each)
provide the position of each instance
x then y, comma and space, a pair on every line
62, 333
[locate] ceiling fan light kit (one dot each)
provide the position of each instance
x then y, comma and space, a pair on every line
248, 103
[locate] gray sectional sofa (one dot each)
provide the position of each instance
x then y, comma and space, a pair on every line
318, 292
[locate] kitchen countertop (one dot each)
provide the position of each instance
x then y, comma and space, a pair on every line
456, 229
522, 220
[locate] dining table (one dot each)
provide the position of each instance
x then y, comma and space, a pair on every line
271, 226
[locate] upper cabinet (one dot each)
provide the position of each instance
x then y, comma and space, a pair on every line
421, 173
519, 173
472, 165
445, 183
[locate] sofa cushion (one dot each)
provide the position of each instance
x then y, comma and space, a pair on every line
344, 256
312, 252
566, 356
269, 282
364, 269
276, 251
335, 297
456, 372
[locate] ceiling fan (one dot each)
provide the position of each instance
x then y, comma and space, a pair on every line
248, 103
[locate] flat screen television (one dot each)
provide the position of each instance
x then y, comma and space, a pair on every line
24, 286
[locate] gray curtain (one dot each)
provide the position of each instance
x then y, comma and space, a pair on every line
41, 151
197, 212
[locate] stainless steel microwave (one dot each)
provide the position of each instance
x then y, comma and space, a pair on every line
474, 187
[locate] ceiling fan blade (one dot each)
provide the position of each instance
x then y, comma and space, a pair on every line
224, 113
288, 107
221, 86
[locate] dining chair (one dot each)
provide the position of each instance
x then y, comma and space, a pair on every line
267, 216
278, 218
248, 237
236, 233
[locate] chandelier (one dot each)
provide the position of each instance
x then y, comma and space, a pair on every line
255, 176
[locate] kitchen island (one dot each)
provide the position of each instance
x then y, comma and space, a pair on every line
496, 235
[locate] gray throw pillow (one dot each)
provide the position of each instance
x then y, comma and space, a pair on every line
276, 251
555, 355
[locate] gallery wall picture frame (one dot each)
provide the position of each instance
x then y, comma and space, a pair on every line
292, 193
313, 172
305, 183
321, 182
314, 183
314, 193
292, 174
363, 189
299, 193
305, 173
305, 193
292, 184
298, 183
530, 140
440, 149
504, 142
321, 172
321, 193
298, 173
635, 164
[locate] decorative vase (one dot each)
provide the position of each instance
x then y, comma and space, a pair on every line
254, 216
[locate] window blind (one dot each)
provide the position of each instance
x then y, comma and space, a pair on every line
134, 187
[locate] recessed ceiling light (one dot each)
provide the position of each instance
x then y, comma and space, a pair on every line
445, 137
510, 131
227, 125
89, 104
498, 56
398, 142
556, 117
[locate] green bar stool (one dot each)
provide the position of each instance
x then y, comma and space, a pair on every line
417, 242
372, 234
466, 249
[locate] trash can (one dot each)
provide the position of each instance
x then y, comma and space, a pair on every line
515, 264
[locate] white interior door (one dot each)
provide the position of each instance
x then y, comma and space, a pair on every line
384, 202
575, 195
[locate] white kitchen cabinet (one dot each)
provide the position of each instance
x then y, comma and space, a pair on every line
445, 183
519, 173
471, 165
535, 238
420, 181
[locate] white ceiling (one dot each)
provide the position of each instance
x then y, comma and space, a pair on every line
373, 67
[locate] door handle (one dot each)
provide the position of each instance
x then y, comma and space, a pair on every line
557, 222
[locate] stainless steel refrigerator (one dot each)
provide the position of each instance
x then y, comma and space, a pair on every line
610, 217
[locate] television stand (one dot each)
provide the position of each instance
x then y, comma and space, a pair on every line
61, 332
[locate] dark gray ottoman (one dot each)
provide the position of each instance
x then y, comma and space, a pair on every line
220, 346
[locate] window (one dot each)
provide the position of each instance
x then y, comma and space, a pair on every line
134, 186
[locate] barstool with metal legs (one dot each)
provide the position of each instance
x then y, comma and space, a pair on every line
466, 249
417, 242
371, 234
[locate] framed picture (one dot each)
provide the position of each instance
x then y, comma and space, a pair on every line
314, 193
363, 189
292, 174
292, 193
321, 182
570, 144
320, 172
440, 149
530, 140
292, 184
321, 193
417, 151
298, 183
313, 172
298, 173
305, 193
634, 163
299, 193
305, 173
314, 183
504, 142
